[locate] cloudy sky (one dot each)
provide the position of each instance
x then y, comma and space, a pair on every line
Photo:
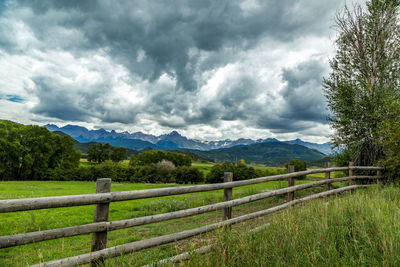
209, 69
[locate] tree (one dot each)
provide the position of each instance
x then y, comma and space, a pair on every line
364, 80
98, 152
298, 166
118, 154
66, 157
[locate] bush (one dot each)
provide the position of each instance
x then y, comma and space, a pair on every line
185, 175
240, 172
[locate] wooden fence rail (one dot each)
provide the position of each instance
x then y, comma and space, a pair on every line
90, 199
103, 197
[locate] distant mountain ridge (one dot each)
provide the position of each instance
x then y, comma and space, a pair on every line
267, 153
171, 141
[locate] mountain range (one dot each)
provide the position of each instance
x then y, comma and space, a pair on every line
171, 141
268, 153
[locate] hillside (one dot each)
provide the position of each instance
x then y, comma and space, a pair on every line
270, 153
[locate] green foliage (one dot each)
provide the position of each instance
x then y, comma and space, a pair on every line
118, 154
240, 172
298, 166
151, 174
185, 175
365, 79
32, 152
155, 156
98, 152
119, 172
391, 143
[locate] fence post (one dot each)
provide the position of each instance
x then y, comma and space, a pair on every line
228, 177
290, 182
99, 239
379, 173
351, 172
327, 176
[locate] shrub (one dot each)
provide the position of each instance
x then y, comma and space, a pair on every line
185, 175
240, 172
151, 174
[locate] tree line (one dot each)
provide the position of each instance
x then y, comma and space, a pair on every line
33, 152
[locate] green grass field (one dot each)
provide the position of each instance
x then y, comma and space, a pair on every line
86, 163
361, 229
203, 167
21, 222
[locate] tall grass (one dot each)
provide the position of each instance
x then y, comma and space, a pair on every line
362, 229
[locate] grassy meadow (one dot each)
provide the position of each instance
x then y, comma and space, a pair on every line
361, 229
28, 221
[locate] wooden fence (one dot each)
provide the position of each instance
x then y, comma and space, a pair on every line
104, 197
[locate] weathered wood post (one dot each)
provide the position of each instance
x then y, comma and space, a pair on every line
228, 177
351, 172
99, 239
379, 173
327, 176
290, 182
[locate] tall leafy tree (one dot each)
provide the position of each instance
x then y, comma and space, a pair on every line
98, 152
118, 154
364, 81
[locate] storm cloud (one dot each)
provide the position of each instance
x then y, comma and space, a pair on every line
205, 67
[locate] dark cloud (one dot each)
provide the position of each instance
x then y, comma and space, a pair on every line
167, 32
68, 102
56, 104
302, 104
303, 95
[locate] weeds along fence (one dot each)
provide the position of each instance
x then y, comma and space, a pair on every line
103, 198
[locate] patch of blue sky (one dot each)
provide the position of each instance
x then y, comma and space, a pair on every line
3, 5
14, 98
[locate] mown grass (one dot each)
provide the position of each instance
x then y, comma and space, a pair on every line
86, 163
361, 229
203, 167
28, 221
